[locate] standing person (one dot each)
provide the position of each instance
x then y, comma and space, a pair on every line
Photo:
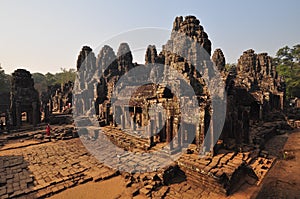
48, 129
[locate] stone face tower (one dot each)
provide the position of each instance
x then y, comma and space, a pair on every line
219, 59
24, 98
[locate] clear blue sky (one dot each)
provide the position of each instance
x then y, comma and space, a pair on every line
44, 35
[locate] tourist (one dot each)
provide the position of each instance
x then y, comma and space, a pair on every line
48, 129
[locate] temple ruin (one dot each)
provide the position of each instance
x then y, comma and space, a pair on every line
253, 91
57, 99
24, 99
253, 87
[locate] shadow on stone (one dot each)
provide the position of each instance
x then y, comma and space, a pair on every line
16, 179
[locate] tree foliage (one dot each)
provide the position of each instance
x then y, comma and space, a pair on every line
288, 66
4, 81
65, 76
41, 82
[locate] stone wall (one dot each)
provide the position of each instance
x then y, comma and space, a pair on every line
258, 75
106, 70
253, 86
57, 98
4, 102
24, 98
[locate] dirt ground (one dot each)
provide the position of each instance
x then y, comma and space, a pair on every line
111, 188
283, 180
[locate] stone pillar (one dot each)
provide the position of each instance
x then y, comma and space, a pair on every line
107, 113
212, 144
169, 131
46, 112
282, 102
185, 136
29, 117
152, 129
171, 137
125, 112
114, 115
18, 115
260, 112
122, 121
180, 142
182, 135
34, 114
202, 132
159, 118
132, 124
197, 136
51, 106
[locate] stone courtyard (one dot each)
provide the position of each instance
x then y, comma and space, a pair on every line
39, 168
46, 168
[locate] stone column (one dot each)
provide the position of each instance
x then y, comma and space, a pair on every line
260, 112
34, 114
51, 106
282, 102
202, 132
18, 115
169, 131
151, 132
46, 112
212, 136
197, 136
114, 115
122, 121
159, 118
125, 116
182, 135
29, 117
132, 124
107, 113
179, 138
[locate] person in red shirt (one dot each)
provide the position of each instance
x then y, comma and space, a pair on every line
48, 129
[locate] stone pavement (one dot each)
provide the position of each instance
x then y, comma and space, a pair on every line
42, 170
221, 175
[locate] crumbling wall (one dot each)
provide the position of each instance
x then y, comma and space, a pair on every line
24, 98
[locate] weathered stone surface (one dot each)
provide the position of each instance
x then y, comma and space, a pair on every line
124, 58
151, 55
191, 27
253, 90
24, 98
86, 59
48, 168
257, 73
219, 59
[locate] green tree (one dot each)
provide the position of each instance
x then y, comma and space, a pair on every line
50, 78
288, 66
4, 81
65, 76
40, 82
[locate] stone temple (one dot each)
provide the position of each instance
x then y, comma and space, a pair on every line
253, 90
24, 98
171, 105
